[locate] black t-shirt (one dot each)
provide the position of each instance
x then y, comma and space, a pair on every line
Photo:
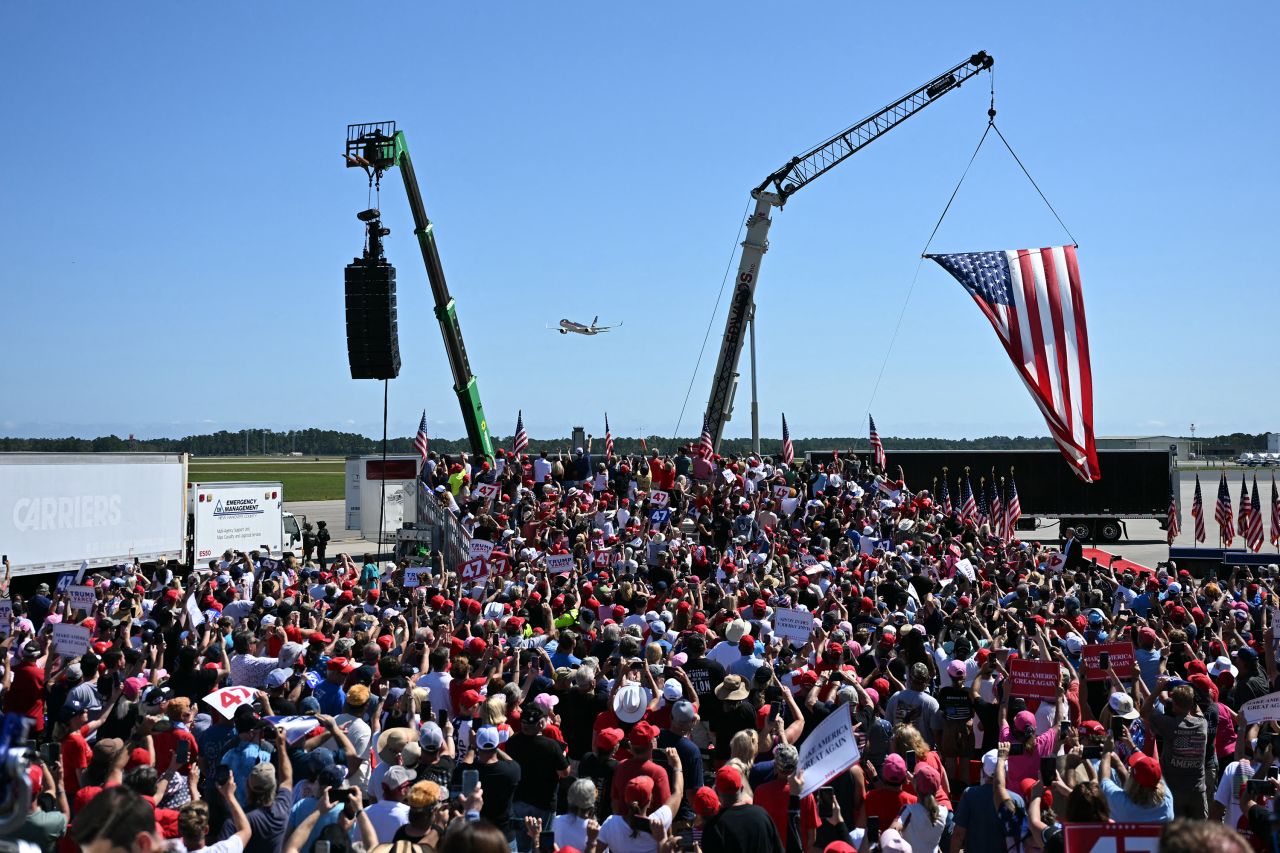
955, 704
578, 711
440, 772
541, 759
705, 676
735, 718
600, 771
741, 829
499, 781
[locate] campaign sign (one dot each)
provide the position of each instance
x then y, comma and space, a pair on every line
795, 624
964, 567
559, 564
659, 517
1034, 679
6, 615
1261, 710
412, 575
1122, 660
81, 597
481, 548
296, 726
477, 568
807, 560
1111, 837
867, 545
660, 499
485, 491
829, 750
226, 700
70, 641
782, 492
194, 612
499, 563
602, 558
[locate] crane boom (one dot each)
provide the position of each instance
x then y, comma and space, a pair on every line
377, 147
774, 191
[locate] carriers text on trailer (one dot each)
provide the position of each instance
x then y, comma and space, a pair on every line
58, 510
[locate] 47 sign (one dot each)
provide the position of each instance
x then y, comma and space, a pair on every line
1112, 837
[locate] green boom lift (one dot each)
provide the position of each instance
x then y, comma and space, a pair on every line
376, 147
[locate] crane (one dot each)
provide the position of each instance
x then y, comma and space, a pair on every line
376, 147
773, 192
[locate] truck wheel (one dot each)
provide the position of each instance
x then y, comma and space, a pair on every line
1084, 529
1110, 530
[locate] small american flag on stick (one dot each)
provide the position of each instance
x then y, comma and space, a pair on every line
1222, 513
420, 440
521, 442
877, 447
1197, 512
1173, 524
788, 449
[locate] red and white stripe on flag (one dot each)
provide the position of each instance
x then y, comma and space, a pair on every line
1042, 327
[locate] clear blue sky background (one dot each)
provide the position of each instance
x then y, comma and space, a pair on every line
175, 214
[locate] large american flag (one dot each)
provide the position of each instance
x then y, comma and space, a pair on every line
608, 438
788, 449
1032, 298
1275, 512
1197, 511
420, 440
1222, 513
521, 442
1242, 519
1013, 508
968, 506
1173, 524
984, 514
1254, 536
706, 447
877, 447
945, 497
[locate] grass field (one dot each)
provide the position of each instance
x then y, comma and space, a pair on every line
304, 479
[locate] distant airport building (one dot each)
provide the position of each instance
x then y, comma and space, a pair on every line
1145, 442
1273, 442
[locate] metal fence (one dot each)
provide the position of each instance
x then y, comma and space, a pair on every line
447, 534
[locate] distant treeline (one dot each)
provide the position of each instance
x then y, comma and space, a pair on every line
323, 442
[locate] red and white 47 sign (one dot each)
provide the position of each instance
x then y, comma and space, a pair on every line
474, 569
1112, 837
226, 700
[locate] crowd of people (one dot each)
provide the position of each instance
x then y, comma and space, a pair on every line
641, 697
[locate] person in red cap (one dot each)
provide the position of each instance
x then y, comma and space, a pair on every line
636, 800
600, 765
1144, 798
641, 740
741, 827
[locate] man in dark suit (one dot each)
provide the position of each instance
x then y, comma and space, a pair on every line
1073, 550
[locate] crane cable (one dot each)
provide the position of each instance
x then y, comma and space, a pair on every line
991, 125
712, 319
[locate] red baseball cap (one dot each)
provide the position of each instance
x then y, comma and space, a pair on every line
642, 733
607, 739
728, 780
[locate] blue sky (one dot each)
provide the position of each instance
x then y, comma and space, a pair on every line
175, 215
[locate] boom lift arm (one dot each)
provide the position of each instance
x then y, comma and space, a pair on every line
376, 147
774, 191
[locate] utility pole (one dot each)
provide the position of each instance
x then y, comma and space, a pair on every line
246, 441
1193, 440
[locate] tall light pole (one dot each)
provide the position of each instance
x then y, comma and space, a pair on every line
1193, 440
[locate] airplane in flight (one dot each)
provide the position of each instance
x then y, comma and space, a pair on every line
567, 326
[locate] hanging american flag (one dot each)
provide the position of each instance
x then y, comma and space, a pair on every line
983, 515
1173, 523
1222, 513
706, 447
997, 508
877, 447
788, 449
1013, 508
521, 441
1197, 511
1242, 519
1032, 298
945, 497
420, 440
1254, 536
968, 506
1275, 513
608, 438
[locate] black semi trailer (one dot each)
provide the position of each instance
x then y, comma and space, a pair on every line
1134, 484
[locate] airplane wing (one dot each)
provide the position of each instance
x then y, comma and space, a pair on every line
607, 328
